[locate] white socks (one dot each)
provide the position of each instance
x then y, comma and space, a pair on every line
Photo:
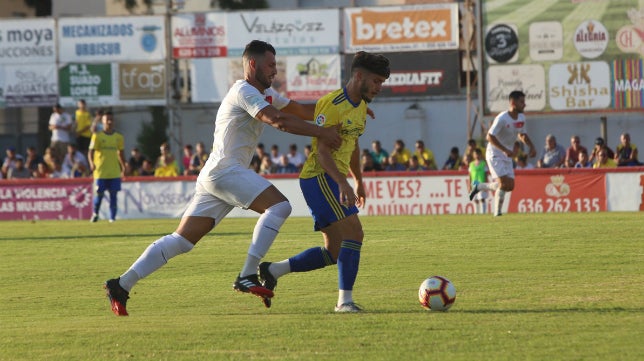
154, 257
499, 197
279, 269
266, 229
345, 296
492, 186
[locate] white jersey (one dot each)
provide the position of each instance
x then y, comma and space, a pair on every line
505, 129
237, 131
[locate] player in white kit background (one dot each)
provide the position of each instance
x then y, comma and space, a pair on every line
502, 147
226, 180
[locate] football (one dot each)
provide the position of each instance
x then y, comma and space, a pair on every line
437, 293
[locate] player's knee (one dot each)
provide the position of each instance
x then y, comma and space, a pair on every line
281, 210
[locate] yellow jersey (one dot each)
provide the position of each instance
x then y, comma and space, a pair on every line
83, 119
331, 110
106, 157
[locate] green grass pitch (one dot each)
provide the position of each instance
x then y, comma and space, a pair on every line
529, 287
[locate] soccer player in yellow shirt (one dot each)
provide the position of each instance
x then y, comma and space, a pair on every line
107, 162
323, 180
83, 120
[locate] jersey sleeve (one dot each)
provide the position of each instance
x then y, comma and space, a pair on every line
326, 114
120, 143
497, 125
251, 100
92, 142
276, 99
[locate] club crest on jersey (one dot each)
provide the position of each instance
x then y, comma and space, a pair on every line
320, 120
519, 124
269, 99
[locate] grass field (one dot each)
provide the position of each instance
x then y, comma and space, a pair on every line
530, 287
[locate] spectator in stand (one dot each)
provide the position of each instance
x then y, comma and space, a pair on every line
186, 159
166, 164
58, 170
135, 162
256, 161
267, 166
32, 159
276, 157
284, 166
10, 160
453, 161
522, 162
307, 150
599, 145
75, 164
583, 161
49, 159
83, 120
19, 171
414, 164
198, 159
60, 124
603, 161
554, 155
572, 153
401, 153
379, 155
147, 168
425, 156
367, 163
626, 152
393, 164
294, 157
42, 171
97, 122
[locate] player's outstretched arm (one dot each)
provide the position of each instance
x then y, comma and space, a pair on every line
292, 124
302, 111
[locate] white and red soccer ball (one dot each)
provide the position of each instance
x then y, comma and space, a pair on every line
437, 293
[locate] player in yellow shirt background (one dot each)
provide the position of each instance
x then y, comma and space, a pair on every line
83, 120
323, 180
107, 163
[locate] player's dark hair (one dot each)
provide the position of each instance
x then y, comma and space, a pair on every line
374, 63
257, 48
108, 112
516, 94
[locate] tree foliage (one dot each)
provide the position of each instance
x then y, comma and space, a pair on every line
153, 133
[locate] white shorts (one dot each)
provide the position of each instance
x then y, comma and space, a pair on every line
499, 166
237, 187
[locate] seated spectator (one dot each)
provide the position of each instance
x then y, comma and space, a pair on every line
572, 153
166, 164
366, 161
603, 161
147, 169
425, 156
468, 156
285, 166
267, 166
276, 157
294, 157
198, 159
307, 150
453, 161
626, 152
393, 164
48, 158
256, 161
42, 171
75, 164
401, 153
414, 164
19, 171
583, 161
522, 162
32, 159
135, 162
10, 160
58, 170
600, 144
554, 155
379, 155
187, 158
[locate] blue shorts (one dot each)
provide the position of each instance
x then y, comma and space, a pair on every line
112, 185
322, 195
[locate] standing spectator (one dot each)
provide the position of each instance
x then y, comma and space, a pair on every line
166, 164
19, 171
97, 122
599, 145
83, 120
626, 152
603, 161
425, 156
294, 157
135, 162
276, 157
553, 156
198, 159
478, 174
10, 160
453, 161
572, 153
583, 161
379, 155
32, 159
75, 164
187, 158
107, 162
60, 124
506, 128
400, 153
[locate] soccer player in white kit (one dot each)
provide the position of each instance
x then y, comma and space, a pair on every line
507, 127
226, 180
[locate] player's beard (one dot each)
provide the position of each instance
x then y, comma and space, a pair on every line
262, 79
364, 90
